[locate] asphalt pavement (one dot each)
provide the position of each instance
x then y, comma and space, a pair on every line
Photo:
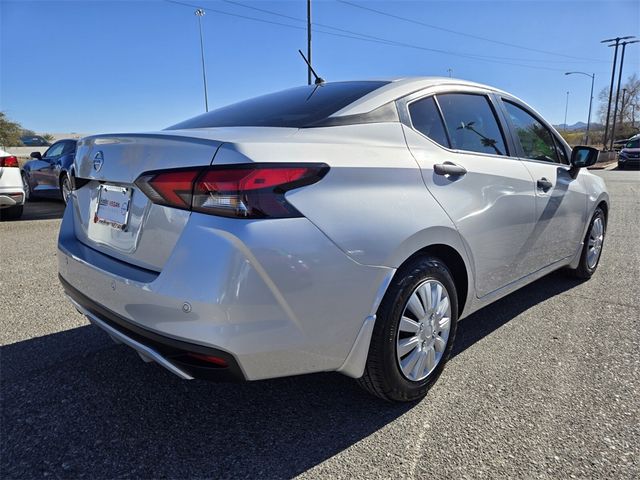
543, 384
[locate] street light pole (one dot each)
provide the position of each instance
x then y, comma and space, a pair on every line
615, 109
200, 13
593, 77
566, 109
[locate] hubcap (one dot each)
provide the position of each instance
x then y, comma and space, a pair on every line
424, 330
66, 190
596, 238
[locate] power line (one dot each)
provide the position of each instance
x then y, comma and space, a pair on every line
367, 38
331, 27
455, 32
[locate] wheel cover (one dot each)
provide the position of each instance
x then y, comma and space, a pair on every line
66, 189
423, 330
594, 246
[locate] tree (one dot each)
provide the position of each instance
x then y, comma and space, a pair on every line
628, 113
48, 137
10, 132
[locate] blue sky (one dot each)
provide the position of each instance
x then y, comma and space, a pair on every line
98, 66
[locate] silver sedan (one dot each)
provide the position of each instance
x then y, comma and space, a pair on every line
344, 226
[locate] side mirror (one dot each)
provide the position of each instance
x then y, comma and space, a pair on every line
36, 155
582, 157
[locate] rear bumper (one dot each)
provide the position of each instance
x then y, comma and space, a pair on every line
169, 353
274, 298
11, 198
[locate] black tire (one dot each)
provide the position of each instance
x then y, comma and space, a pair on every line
620, 166
382, 376
27, 188
11, 213
583, 270
64, 178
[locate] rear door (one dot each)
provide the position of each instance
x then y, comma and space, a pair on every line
491, 197
561, 202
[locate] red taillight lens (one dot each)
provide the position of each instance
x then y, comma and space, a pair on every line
244, 191
10, 161
172, 188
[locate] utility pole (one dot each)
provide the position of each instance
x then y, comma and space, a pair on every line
450, 70
624, 92
309, 41
615, 109
613, 74
593, 77
566, 109
200, 13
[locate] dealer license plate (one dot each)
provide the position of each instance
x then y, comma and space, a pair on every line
113, 206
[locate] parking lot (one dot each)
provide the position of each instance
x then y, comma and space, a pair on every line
543, 384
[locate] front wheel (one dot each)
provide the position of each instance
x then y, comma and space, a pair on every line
592, 248
414, 332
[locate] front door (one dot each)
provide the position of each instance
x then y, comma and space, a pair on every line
561, 204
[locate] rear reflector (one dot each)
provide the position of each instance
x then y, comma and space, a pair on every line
241, 191
221, 362
9, 161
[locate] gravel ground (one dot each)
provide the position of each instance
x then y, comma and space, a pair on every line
543, 384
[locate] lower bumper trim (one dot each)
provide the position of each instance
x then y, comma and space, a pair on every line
168, 352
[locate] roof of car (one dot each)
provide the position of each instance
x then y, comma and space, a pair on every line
399, 87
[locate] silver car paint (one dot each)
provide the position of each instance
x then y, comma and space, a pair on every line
299, 295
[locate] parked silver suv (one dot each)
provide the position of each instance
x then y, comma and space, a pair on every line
342, 227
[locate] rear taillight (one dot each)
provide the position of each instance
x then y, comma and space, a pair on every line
242, 191
9, 161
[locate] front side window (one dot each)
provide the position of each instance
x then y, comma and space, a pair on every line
55, 150
426, 119
535, 139
471, 123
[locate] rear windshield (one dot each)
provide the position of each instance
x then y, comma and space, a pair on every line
297, 107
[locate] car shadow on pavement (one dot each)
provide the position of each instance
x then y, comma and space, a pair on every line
74, 404
485, 321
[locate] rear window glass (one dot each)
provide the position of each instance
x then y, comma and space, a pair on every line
295, 107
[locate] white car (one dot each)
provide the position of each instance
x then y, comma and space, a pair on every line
11, 188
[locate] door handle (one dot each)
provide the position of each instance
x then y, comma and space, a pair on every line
544, 184
449, 168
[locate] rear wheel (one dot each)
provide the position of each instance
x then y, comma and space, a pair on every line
414, 332
27, 188
65, 188
592, 248
11, 213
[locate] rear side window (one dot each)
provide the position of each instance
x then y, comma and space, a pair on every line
471, 123
297, 107
427, 120
536, 139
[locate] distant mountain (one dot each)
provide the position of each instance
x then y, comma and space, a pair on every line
576, 127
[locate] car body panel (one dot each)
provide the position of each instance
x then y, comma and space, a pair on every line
11, 187
300, 295
43, 176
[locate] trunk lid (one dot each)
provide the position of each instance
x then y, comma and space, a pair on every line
110, 163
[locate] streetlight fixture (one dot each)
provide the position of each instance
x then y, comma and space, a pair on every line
200, 13
593, 77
